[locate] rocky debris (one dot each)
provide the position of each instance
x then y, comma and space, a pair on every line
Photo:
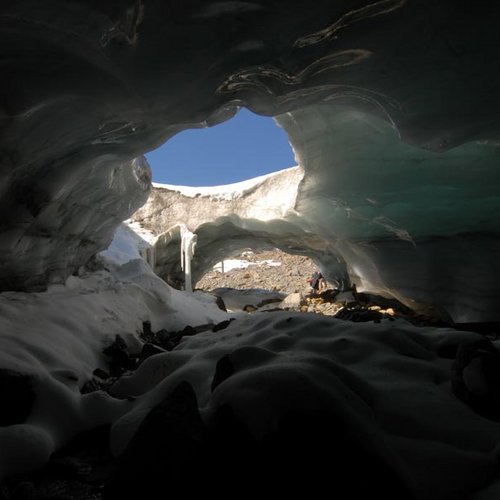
169, 340
220, 303
119, 358
320, 306
121, 361
358, 314
100, 381
290, 276
222, 325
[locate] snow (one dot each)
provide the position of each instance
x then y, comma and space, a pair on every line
57, 337
230, 264
224, 192
128, 241
387, 383
384, 380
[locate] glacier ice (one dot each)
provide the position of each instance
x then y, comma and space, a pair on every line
392, 109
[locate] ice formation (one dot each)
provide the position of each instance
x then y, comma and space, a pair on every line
385, 105
391, 108
188, 247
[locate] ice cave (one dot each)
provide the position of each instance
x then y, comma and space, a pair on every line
116, 385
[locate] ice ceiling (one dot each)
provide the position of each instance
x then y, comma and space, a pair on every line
391, 107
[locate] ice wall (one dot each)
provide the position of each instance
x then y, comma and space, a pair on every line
89, 86
409, 222
393, 218
259, 212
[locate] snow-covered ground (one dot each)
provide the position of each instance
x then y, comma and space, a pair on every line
388, 385
230, 264
57, 337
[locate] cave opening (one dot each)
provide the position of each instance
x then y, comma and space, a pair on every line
243, 147
267, 278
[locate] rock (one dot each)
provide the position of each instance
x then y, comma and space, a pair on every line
223, 370
166, 340
149, 350
292, 301
100, 380
193, 330
358, 315
120, 360
220, 303
99, 373
222, 325
91, 385
146, 328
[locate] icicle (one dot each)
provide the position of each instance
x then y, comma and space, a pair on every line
188, 245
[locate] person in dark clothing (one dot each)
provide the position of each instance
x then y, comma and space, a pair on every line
316, 281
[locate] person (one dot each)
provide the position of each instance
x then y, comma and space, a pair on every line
317, 281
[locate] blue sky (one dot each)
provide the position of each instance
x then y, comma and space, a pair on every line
246, 146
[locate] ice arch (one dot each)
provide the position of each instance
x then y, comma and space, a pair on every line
257, 213
228, 236
91, 87
395, 219
393, 109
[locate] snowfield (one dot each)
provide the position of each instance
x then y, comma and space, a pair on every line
389, 385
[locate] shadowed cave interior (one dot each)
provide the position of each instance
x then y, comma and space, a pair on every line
114, 384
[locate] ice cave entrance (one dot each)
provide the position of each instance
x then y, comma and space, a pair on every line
244, 147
